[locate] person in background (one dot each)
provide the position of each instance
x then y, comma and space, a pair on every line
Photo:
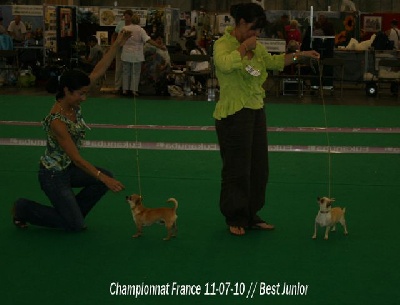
2, 28
95, 55
293, 46
293, 32
17, 29
326, 26
157, 66
62, 168
241, 65
394, 34
6, 42
127, 20
317, 29
164, 68
193, 49
132, 56
279, 27
190, 33
198, 66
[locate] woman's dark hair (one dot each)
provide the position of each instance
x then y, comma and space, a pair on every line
249, 12
72, 80
192, 45
156, 35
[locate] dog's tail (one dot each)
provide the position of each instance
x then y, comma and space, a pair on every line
344, 210
174, 201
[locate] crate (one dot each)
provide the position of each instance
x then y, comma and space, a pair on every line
291, 86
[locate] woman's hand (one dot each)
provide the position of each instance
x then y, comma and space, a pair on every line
250, 43
113, 184
312, 53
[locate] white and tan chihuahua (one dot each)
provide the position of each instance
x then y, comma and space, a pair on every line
145, 216
328, 216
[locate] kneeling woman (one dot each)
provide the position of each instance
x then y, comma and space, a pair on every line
62, 168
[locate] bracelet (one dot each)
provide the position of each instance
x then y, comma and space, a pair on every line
98, 175
296, 56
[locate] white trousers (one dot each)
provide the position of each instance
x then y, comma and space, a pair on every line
118, 69
131, 75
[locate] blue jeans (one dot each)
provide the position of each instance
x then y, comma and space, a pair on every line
68, 209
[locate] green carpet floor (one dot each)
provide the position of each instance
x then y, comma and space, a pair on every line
42, 266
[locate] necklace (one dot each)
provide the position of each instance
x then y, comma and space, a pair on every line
70, 113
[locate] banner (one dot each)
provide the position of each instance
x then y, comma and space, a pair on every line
27, 10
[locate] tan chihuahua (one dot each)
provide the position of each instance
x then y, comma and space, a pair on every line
145, 216
328, 216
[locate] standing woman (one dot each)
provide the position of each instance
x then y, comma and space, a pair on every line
132, 56
126, 20
241, 68
62, 168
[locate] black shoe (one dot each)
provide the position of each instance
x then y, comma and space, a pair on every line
17, 222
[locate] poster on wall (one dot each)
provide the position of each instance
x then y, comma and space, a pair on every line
66, 29
102, 38
50, 28
372, 24
66, 26
109, 17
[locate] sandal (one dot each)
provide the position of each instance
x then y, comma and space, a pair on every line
18, 223
262, 226
236, 230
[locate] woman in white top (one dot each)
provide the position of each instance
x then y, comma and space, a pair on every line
198, 66
394, 34
193, 49
132, 56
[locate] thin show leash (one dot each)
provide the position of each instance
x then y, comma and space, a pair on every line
320, 69
137, 146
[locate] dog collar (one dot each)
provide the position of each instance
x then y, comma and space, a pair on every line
324, 212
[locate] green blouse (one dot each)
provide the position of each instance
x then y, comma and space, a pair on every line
238, 88
54, 156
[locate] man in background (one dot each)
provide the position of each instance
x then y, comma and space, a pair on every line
17, 29
95, 55
279, 27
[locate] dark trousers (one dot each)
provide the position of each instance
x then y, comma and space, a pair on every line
243, 145
68, 209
